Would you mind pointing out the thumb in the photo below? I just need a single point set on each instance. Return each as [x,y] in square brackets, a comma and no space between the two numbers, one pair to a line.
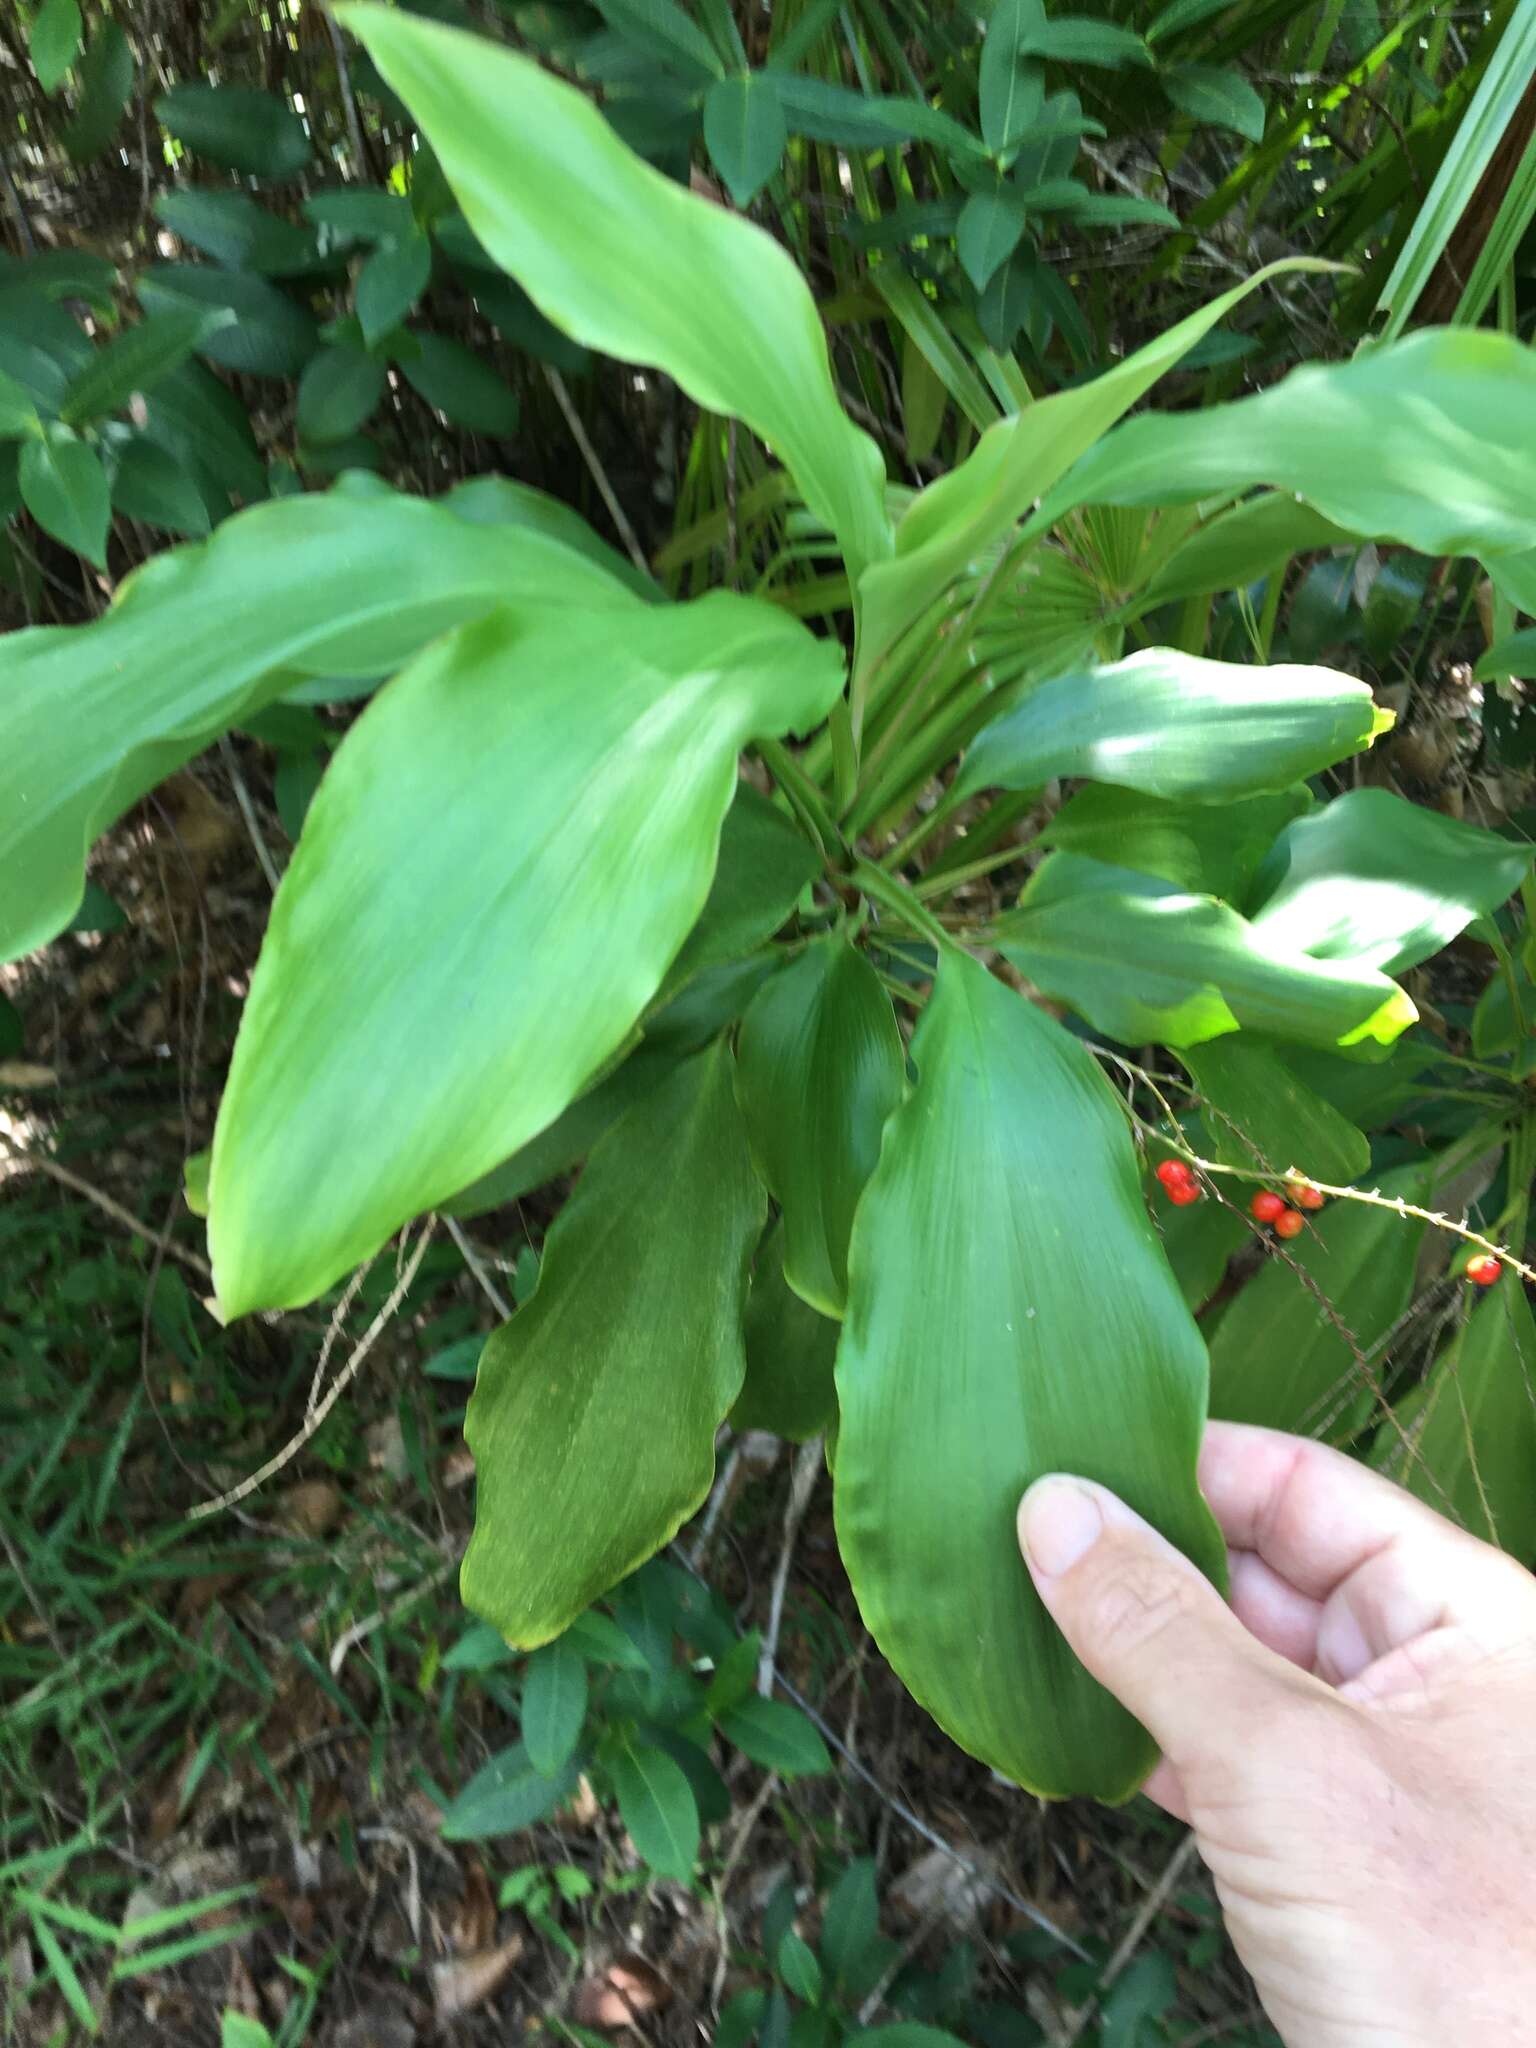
[1148,1626]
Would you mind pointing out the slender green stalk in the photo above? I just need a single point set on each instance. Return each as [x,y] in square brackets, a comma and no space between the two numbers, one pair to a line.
[804,798]
[896,897]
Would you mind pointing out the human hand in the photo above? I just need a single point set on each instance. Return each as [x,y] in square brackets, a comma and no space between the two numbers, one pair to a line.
[1353,1740]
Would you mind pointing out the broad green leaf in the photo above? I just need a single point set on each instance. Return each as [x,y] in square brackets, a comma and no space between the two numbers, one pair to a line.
[1261,1115]
[628,262]
[93,716]
[594,1416]
[1182,14]
[136,359]
[820,1067]
[1238,546]
[657,1805]
[1514,655]
[1176,725]
[600,836]
[1375,880]
[777,1736]
[990,229]
[955,520]
[1279,1353]
[790,1350]
[1142,960]
[1421,442]
[63,274]
[149,484]
[461,385]
[505,1796]
[105,83]
[850,1925]
[554,1706]
[238,126]
[54,42]
[744,132]
[339,390]
[1011,92]
[269,334]
[1471,1438]
[497,501]
[982,1348]
[1209,849]
[234,230]
[64,487]
[1217,97]
[390,283]
[1076,39]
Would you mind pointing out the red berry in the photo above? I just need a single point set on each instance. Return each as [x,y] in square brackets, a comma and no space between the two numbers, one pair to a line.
[1182,1193]
[1173,1173]
[1290,1223]
[1306,1196]
[1484,1269]
[1266,1205]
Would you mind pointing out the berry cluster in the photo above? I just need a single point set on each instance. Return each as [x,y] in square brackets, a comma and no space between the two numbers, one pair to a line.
[1178,1183]
[1285,1215]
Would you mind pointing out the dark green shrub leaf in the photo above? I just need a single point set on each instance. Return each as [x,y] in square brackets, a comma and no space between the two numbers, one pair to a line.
[1011,92]
[661,28]
[631,264]
[338,391]
[269,335]
[1035,1353]
[64,487]
[1219,98]
[1261,1115]
[798,1967]
[1175,725]
[657,1805]
[1120,210]
[356,214]
[824,112]
[105,82]
[149,484]
[379,856]
[137,358]
[93,716]
[233,229]
[1209,849]
[777,1736]
[594,1415]
[1141,960]
[54,42]
[790,1350]
[991,227]
[18,410]
[238,126]
[506,1796]
[458,383]
[1375,879]
[202,423]
[1279,1358]
[744,132]
[390,283]
[820,1068]
[765,863]
[1077,39]
[850,1928]
[1240,545]
[554,1705]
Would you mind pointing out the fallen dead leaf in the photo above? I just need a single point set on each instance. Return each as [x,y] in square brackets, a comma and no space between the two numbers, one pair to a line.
[472,1926]
[936,1887]
[312,1508]
[626,1991]
[27,1074]
[467,1981]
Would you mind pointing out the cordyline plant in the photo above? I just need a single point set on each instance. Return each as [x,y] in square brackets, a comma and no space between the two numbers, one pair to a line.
[537,915]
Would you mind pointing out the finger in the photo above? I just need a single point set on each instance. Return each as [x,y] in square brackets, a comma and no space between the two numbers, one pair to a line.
[1382,1568]
[1147,1624]
[1284,1620]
